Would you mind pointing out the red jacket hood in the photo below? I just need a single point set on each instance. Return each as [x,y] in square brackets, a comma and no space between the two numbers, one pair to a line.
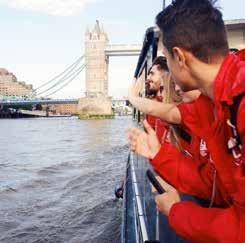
[230,80]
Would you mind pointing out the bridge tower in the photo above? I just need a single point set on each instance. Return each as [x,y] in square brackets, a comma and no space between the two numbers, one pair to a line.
[96,61]
[96,103]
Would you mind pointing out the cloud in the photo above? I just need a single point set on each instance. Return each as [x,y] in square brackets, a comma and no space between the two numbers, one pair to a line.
[51,7]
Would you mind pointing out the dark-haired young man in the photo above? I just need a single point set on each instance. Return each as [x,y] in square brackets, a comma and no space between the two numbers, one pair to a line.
[196,48]
[154,91]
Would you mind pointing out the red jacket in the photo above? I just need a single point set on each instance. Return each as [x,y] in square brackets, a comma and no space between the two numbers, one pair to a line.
[186,174]
[193,174]
[218,224]
[157,124]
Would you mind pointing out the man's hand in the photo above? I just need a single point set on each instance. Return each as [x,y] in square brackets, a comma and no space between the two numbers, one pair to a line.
[135,88]
[144,143]
[166,200]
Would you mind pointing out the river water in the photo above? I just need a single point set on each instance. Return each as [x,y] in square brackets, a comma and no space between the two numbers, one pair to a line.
[57,179]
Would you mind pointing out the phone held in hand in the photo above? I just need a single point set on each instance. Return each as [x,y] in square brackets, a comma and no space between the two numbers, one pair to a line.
[154,182]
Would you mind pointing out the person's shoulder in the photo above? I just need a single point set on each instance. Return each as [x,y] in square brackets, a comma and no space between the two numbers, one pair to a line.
[203,99]
[241,54]
[201,102]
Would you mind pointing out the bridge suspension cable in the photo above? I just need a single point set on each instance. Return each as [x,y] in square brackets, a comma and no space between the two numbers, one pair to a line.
[62,80]
[68,69]
[68,82]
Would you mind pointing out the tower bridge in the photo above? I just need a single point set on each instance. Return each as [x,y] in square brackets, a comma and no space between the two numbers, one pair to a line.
[97,53]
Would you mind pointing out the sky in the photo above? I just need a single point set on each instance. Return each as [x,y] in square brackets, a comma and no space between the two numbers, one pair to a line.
[40,38]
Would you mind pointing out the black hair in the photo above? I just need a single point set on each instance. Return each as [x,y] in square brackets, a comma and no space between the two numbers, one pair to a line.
[196,26]
[161,63]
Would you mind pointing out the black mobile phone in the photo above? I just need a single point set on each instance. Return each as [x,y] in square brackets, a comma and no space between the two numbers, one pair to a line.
[154,182]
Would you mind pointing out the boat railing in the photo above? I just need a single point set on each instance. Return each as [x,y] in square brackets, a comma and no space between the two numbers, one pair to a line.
[140,217]
[144,204]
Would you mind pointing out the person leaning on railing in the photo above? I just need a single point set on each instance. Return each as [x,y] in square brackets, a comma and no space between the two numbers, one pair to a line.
[157,75]
[199,58]
[180,162]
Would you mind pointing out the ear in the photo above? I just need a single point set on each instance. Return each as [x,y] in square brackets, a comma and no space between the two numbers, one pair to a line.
[179,56]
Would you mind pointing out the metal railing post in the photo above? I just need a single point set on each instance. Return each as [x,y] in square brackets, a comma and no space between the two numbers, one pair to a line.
[163,4]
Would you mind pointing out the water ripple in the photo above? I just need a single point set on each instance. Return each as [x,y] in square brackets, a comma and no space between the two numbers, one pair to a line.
[57,180]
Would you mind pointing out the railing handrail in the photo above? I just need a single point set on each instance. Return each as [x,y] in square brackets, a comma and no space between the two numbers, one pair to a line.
[140,213]
[150,39]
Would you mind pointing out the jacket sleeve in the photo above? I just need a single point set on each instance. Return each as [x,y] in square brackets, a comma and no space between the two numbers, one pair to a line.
[223,225]
[202,225]
[182,172]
